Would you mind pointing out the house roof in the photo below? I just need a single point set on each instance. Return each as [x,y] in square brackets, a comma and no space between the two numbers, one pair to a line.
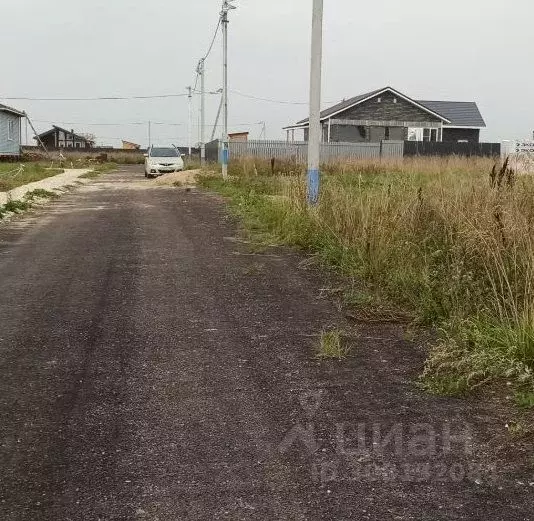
[55,127]
[5,108]
[452,113]
[460,113]
[343,105]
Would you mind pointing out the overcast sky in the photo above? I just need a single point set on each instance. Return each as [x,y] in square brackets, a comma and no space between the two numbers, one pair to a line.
[462,50]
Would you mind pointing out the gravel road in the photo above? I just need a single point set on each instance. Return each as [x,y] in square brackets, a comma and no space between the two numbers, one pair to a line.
[152,368]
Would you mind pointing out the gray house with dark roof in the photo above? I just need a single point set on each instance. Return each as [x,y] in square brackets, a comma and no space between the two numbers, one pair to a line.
[387,114]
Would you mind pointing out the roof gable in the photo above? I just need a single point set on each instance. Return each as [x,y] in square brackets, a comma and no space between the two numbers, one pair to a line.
[11,110]
[348,104]
[56,128]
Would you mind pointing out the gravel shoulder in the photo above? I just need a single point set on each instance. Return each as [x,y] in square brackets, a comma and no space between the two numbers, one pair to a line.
[153,368]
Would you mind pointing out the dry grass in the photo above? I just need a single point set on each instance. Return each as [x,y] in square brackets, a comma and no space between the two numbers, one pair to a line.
[81,159]
[436,236]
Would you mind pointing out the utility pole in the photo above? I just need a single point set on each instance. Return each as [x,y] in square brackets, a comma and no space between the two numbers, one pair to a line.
[227,5]
[149,134]
[314,138]
[190,119]
[217,119]
[201,72]
[37,135]
[263,133]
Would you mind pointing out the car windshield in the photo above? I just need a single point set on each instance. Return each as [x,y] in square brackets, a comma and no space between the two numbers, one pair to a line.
[164,152]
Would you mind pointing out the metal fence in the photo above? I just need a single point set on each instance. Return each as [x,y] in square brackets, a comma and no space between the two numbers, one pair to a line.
[433,148]
[298,150]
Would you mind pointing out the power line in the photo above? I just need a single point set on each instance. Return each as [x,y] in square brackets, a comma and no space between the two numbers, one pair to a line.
[209,51]
[250,96]
[99,98]
[137,123]
[140,123]
[213,40]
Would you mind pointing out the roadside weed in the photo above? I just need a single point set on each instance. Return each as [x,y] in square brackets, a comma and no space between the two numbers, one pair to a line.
[525,399]
[40,193]
[331,345]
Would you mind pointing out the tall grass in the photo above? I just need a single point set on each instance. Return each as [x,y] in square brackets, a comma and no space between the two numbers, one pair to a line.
[436,236]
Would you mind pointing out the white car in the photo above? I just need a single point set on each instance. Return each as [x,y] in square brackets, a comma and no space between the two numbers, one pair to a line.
[163,160]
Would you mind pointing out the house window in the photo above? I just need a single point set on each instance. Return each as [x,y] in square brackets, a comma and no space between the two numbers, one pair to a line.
[386,134]
[379,100]
[394,100]
[11,130]
[430,134]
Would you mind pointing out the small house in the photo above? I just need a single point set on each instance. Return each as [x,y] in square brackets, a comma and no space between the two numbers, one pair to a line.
[58,137]
[241,137]
[10,130]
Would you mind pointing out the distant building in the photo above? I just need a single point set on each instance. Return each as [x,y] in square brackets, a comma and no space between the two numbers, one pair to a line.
[128,145]
[387,114]
[239,136]
[10,130]
[58,137]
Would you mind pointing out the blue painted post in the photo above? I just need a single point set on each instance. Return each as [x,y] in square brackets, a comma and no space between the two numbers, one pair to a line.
[314,138]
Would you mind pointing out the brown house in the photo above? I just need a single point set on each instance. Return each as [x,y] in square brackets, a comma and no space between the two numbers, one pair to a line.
[58,137]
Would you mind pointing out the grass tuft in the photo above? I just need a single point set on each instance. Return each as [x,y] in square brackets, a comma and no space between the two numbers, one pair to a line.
[331,346]
[525,399]
[40,193]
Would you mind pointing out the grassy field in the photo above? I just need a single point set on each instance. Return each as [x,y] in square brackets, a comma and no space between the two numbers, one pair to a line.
[18,174]
[73,159]
[440,240]
[13,175]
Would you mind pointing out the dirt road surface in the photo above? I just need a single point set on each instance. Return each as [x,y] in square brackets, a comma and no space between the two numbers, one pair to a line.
[152,368]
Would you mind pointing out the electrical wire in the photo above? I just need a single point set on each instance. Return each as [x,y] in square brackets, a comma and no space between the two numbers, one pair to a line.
[250,96]
[139,123]
[136,123]
[209,51]
[99,98]
[213,39]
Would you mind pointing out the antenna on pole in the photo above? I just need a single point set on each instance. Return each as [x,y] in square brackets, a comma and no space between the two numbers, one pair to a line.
[227,6]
